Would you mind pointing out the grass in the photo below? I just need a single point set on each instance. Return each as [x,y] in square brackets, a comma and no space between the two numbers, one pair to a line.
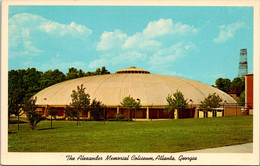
[140,136]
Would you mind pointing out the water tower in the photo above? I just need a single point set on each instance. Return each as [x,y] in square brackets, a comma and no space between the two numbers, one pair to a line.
[243,69]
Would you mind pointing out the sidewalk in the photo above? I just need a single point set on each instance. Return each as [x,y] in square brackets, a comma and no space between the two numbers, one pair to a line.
[243,148]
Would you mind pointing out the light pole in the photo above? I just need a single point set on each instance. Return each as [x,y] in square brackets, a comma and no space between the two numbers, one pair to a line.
[224,105]
[191,107]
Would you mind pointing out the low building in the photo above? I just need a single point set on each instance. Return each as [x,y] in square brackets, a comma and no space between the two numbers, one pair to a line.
[150,89]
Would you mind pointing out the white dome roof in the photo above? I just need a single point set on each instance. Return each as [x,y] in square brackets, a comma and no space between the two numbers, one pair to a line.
[110,89]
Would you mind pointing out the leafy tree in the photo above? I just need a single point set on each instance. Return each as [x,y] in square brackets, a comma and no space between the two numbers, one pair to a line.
[176,102]
[241,100]
[16,92]
[130,104]
[73,73]
[85,103]
[96,109]
[104,70]
[81,73]
[30,108]
[98,71]
[50,77]
[22,85]
[31,83]
[88,73]
[70,113]
[223,84]
[52,112]
[34,118]
[14,102]
[210,102]
[80,100]
[238,84]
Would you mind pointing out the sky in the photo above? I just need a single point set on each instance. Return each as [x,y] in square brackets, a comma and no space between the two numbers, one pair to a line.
[198,43]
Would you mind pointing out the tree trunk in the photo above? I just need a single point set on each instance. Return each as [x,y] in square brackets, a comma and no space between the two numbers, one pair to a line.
[51,122]
[129,115]
[18,121]
[9,118]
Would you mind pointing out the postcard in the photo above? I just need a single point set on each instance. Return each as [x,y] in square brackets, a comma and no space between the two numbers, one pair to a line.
[130,82]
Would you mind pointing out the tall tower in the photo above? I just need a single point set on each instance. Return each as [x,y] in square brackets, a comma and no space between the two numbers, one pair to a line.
[242,70]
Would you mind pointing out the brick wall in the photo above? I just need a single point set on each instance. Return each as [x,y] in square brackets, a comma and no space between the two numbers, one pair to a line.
[232,111]
[249,91]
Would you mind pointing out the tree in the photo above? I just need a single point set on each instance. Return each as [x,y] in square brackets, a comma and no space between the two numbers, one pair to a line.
[130,104]
[31,83]
[238,84]
[211,102]
[97,72]
[73,73]
[20,87]
[79,100]
[85,103]
[96,110]
[81,73]
[223,84]
[89,73]
[104,70]
[241,100]
[15,99]
[52,112]
[50,77]
[176,102]
[70,113]
[30,108]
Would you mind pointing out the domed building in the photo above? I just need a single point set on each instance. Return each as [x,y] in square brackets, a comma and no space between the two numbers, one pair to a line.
[150,89]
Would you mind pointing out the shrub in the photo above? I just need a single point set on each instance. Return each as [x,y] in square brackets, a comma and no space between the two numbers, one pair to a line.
[34,118]
[119,117]
[96,110]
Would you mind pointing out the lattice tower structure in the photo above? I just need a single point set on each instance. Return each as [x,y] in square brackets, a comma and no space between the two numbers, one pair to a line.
[243,68]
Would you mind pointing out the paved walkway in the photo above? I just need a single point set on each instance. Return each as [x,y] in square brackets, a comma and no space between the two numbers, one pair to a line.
[243,148]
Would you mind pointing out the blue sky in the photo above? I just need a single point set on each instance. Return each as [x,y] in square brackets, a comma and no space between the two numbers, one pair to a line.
[199,43]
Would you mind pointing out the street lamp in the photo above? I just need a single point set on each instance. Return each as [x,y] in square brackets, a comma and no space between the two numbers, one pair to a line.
[191,107]
[223,114]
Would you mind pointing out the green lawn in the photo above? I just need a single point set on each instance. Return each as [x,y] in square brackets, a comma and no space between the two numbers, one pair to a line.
[146,136]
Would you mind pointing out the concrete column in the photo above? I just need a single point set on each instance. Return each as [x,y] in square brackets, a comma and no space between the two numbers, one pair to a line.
[117,110]
[88,114]
[210,114]
[147,113]
[175,114]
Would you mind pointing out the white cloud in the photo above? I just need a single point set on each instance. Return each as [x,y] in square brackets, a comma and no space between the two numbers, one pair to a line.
[164,27]
[110,40]
[73,29]
[169,55]
[228,31]
[160,43]
[138,41]
[147,39]
[27,33]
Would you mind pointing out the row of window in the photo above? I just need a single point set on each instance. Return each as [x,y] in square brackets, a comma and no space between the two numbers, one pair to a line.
[143,72]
